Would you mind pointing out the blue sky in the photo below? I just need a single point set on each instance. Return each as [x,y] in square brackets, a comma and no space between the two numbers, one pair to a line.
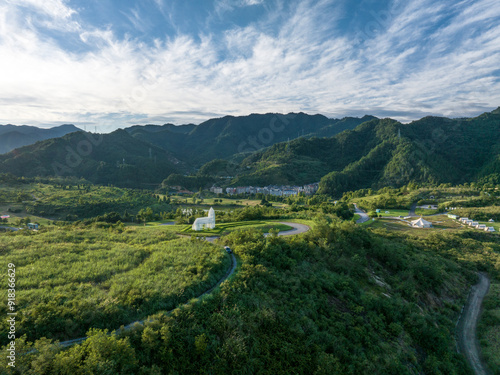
[111,63]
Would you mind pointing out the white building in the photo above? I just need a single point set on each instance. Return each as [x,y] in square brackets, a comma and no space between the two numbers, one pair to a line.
[421,223]
[216,190]
[490,229]
[205,222]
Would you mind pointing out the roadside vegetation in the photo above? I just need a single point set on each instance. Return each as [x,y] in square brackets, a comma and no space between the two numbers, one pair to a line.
[337,300]
[489,328]
[381,297]
[73,278]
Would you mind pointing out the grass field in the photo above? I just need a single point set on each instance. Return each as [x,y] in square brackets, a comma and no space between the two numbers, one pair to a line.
[226,202]
[220,228]
[70,279]
[226,228]
[425,211]
[393,212]
[14,217]
[440,222]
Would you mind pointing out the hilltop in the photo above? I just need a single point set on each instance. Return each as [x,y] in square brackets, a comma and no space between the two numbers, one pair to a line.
[12,136]
[152,153]
[294,149]
[384,152]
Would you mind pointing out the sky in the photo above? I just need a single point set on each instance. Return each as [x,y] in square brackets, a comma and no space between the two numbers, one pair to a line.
[114,63]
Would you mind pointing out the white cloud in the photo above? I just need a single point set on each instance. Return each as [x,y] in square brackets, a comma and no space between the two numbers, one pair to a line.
[409,66]
[53,8]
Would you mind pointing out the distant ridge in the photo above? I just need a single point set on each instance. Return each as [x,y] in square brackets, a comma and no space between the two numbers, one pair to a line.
[262,149]
[12,136]
[221,138]
[384,152]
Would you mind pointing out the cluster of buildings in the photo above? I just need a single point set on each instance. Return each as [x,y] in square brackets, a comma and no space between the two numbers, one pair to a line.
[278,191]
[473,224]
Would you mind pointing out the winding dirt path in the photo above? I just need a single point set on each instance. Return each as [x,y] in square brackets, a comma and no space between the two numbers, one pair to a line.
[468,343]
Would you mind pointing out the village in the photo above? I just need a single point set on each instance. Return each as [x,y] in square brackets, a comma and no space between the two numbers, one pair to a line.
[274,190]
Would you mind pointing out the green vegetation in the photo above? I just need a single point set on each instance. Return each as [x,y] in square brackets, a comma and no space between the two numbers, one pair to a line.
[115,158]
[425,211]
[480,213]
[380,298]
[373,155]
[338,300]
[489,328]
[73,199]
[77,277]
[226,228]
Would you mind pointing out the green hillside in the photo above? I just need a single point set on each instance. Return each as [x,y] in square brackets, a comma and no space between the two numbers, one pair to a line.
[115,158]
[276,149]
[384,153]
[223,137]
[338,300]
[12,136]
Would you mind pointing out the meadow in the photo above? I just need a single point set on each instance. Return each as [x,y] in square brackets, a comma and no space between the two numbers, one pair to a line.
[72,278]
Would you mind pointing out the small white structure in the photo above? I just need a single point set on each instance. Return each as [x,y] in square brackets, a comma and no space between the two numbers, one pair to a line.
[474,224]
[490,229]
[481,227]
[205,222]
[491,221]
[421,223]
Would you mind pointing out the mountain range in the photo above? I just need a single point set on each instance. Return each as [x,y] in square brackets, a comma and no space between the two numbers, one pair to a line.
[12,136]
[384,152]
[148,154]
[262,149]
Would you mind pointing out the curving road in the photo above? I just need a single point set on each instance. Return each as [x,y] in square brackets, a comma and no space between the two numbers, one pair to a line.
[412,210]
[297,229]
[467,339]
[364,217]
[10,228]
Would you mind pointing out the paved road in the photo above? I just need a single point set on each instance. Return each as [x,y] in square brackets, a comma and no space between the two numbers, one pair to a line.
[412,210]
[297,229]
[467,340]
[364,217]
[10,228]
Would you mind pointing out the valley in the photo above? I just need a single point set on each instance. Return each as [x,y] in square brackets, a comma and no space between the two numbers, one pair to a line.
[360,288]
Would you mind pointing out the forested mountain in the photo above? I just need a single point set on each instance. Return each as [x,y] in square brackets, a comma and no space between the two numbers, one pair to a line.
[174,148]
[385,153]
[223,137]
[115,158]
[12,136]
[370,153]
